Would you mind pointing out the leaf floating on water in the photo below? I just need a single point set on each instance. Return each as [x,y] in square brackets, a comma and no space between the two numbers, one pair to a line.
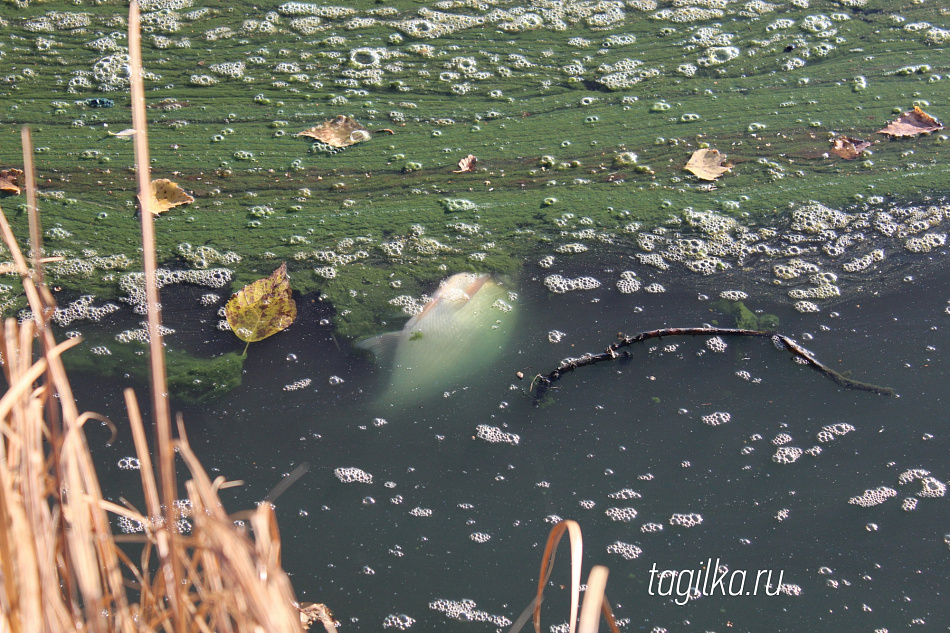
[129,133]
[912,123]
[708,164]
[10,181]
[849,148]
[342,131]
[262,308]
[165,195]
[466,164]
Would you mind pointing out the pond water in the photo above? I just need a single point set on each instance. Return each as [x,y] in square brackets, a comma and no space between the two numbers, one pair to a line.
[690,454]
[627,434]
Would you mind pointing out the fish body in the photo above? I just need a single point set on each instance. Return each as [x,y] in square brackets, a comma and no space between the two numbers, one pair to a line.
[457,334]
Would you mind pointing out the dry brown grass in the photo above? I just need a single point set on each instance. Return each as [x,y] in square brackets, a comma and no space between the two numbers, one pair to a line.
[61,567]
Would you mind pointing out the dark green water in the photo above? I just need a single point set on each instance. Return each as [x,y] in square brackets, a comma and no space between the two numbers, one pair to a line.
[602,430]
[870,255]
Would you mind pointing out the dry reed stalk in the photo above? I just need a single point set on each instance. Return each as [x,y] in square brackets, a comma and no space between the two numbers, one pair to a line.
[60,565]
[234,583]
[36,230]
[168,545]
[595,602]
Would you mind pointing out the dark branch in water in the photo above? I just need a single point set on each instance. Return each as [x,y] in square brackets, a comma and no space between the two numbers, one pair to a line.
[541,383]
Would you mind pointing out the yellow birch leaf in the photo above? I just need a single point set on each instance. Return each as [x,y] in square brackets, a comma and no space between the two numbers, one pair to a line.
[262,308]
[166,195]
[708,164]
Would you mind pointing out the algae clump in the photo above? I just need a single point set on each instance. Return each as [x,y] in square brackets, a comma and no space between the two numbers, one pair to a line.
[746,319]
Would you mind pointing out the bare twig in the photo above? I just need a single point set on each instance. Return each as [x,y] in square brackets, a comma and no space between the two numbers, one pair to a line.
[541,383]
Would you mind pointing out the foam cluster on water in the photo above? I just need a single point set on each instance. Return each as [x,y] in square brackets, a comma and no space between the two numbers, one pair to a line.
[400,621]
[686,520]
[141,334]
[831,431]
[561,285]
[350,474]
[466,611]
[624,494]
[628,282]
[627,550]
[809,257]
[930,486]
[205,256]
[873,497]
[80,309]
[717,418]
[133,284]
[494,435]
[716,344]
[781,439]
[129,463]
[298,384]
[787,454]
[624,515]
[87,265]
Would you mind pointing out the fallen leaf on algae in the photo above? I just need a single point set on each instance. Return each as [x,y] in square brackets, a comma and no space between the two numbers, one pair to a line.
[912,123]
[262,308]
[466,164]
[10,180]
[708,164]
[849,148]
[165,195]
[342,131]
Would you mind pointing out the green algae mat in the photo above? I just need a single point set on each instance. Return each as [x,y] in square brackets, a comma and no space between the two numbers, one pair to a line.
[581,116]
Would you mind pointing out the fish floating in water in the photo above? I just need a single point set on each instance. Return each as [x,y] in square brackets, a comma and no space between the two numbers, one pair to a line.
[458,334]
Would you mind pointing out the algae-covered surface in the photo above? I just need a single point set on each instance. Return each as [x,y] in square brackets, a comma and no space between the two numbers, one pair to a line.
[582,116]
[589,109]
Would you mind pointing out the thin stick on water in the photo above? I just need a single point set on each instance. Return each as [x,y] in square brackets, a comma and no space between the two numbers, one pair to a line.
[541,383]
[167,540]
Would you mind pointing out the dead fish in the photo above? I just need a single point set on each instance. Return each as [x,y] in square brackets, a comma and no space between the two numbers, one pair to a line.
[458,333]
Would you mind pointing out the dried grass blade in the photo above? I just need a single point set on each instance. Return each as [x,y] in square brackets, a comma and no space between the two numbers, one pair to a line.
[609,616]
[89,537]
[149,487]
[593,599]
[259,588]
[41,306]
[547,565]
[14,394]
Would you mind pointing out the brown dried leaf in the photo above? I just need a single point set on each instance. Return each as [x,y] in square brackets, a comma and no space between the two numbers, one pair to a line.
[165,195]
[466,164]
[849,148]
[912,123]
[708,164]
[10,180]
[342,131]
